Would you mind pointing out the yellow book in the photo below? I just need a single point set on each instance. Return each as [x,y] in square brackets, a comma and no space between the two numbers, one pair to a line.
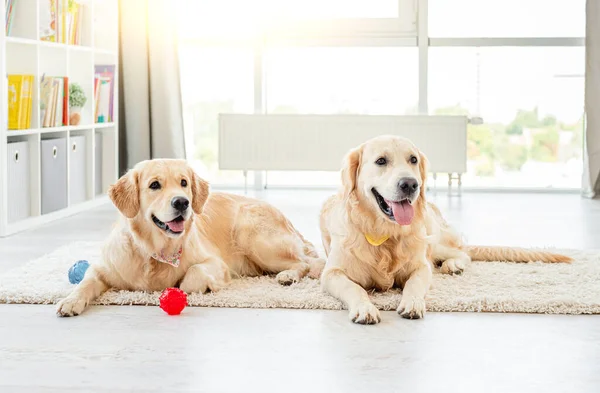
[15,85]
[64,27]
[30,101]
[26,90]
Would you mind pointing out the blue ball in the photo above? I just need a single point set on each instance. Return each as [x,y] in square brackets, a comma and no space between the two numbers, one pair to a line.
[77,271]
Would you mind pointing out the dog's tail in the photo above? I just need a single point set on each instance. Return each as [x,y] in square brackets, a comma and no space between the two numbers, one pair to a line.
[514,254]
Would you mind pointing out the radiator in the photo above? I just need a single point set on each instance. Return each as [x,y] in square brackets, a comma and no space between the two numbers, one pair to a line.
[319,142]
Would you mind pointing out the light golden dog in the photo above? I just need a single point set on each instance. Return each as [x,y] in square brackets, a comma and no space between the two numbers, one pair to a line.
[172,232]
[380,232]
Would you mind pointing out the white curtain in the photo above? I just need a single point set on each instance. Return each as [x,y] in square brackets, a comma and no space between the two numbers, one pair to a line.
[150,110]
[591,175]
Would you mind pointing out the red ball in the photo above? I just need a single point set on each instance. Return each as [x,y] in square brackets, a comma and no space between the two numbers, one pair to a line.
[173,301]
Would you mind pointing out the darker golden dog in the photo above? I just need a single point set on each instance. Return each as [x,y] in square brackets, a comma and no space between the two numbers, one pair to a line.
[173,232]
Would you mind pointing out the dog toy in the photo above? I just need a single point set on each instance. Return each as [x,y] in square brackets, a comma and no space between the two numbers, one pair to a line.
[173,301]
[77,271]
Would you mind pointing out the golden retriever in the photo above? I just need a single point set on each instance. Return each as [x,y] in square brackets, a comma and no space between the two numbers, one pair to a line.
[379,232]
[172,232]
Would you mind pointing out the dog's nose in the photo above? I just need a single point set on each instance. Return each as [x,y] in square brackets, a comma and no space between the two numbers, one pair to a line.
[408,186]
[180,203]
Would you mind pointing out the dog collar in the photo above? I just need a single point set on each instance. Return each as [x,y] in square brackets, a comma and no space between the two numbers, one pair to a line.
[172,259]
[376,241]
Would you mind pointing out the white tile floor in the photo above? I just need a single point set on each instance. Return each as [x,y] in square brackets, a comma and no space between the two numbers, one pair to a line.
[119,349]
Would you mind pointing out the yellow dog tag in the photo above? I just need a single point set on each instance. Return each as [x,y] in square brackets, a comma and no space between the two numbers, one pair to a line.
[376,241]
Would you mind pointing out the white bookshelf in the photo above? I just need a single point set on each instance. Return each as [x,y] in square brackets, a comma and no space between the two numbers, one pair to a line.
[23,53]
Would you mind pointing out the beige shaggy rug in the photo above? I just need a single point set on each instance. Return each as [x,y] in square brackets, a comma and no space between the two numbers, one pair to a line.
[485,286]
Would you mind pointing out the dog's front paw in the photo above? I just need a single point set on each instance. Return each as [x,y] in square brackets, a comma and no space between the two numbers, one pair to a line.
[288,277]
[194,283]
[365,314]
[411,308]
[453,266]
[197,280]
[70,307]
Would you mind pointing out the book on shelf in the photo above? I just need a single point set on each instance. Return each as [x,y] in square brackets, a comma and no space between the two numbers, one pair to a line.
[104,90]
[20,94]
[47,21]
[54,101]
[28,96]
[74,23]
[65,103]
[60,21]
[9,7]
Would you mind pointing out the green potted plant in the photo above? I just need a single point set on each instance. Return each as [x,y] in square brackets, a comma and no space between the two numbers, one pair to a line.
[77,100]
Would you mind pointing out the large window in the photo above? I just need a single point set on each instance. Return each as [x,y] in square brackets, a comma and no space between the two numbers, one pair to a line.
[531,103]
[515,66]
[214,80]
[342,80]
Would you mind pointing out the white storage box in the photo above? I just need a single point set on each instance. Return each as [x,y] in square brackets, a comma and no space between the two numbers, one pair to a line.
[54,174]
[78,170]
[98,164]
[19,193]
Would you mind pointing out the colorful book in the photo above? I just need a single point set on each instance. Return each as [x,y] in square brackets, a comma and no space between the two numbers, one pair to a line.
[9,16]
[96,98]
[74,22]
[71,22]
[58,18]
[19,101]
[64,11]
[50,108]
[58,120]
[60,21]
[65,103]
[48,22]
[103,106]
[45,94]
[106,73]
[79,21]
[54,101]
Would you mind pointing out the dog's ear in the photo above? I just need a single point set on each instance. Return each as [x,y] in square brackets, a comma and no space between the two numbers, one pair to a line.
[125,194]
[423,168]
[350,169]
[199,193]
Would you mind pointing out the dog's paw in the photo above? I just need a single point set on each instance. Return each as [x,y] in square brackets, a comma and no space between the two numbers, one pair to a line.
[411,308]
[70,307]
[288,277]
[453,266]
[195,283]
[197,280]
[365,314]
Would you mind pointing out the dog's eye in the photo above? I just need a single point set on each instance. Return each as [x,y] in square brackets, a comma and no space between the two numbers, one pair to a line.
[413,160]
[155,185]
[183,183]
[381,161]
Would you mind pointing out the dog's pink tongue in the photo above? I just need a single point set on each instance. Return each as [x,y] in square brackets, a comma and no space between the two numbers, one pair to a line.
[403,212]
[176,226]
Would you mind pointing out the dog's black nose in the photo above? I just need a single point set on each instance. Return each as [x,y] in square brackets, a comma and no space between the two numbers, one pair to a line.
[180,203]
[408,185]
